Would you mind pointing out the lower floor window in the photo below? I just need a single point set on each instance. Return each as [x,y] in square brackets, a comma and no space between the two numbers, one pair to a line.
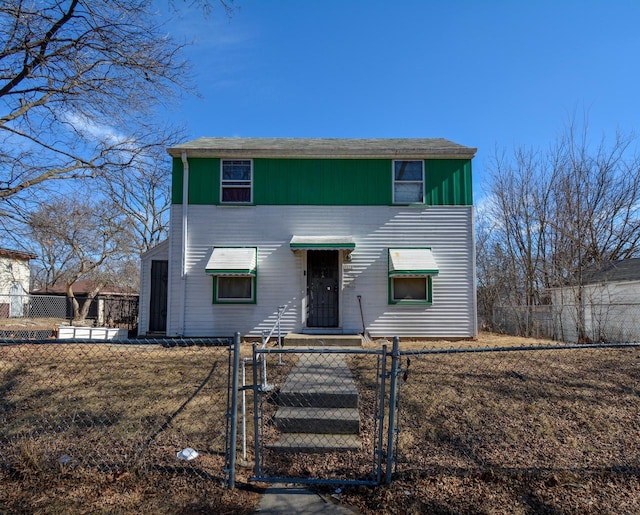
[234,289]
[410,289]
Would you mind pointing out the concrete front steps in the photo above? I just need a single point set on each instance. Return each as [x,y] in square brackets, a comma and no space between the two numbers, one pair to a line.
[318,407]
[314,443]
[318,420]
[322,340]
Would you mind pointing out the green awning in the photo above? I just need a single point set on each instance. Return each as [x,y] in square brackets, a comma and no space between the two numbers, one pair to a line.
[238,261]
[322,243]
[412,263]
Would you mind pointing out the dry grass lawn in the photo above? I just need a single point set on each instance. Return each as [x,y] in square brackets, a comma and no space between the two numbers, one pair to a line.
[95,429]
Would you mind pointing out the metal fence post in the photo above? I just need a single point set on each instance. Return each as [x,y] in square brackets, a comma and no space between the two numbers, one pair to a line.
[234,411]
[256,411]
[395,359]
[382,364]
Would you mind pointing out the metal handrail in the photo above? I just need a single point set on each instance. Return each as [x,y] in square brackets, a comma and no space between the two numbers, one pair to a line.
[266,336]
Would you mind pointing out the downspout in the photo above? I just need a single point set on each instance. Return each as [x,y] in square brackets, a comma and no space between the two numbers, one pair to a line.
[183,261]
[474,274]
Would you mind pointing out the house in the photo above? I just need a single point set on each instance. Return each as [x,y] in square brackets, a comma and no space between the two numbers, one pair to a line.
[337,231]
[605,308]
[15,275]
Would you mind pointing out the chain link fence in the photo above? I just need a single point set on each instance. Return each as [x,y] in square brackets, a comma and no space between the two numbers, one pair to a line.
[595,322]
[39,316]
[96,408]
[475,428]
[516,429]
[320,416]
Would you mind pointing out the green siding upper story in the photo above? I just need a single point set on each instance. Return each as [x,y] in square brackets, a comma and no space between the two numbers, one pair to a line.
[344,182]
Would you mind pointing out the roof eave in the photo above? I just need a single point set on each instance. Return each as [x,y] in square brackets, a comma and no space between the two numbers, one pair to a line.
[324,148]
[305,154]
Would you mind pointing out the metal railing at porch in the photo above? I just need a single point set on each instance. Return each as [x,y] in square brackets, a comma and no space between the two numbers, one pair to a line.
[267,334]
[314,390]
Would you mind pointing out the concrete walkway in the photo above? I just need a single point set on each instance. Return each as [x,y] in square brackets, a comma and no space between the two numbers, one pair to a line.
[280,499]
[318,407]
[318,400]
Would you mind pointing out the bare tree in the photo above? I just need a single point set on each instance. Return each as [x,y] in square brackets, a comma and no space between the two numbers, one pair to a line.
[559,212]
[596,210]
[520,190]
[79,83]
[79,240]
[492,272]
[206,6]
[141,194]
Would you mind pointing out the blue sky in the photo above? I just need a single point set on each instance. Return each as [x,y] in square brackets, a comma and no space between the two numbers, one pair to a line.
[480,73]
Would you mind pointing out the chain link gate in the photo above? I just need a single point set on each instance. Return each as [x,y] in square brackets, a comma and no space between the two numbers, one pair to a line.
[320,416]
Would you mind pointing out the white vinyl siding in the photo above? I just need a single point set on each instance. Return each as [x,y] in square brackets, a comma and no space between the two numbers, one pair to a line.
[281,281]
[609,310]
[14,271]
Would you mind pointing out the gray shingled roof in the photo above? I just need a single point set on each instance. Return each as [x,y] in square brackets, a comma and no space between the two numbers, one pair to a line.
[406,148]
[613,271]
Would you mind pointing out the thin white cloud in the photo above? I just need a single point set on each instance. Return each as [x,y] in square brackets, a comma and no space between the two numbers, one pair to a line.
[91,129]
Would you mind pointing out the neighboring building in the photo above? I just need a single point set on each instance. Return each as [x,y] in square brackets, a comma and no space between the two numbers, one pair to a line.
[14,282]
[316,225]
[607,305]
[112,306]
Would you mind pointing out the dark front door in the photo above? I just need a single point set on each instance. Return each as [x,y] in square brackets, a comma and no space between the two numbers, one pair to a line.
[322,288]
[158,304]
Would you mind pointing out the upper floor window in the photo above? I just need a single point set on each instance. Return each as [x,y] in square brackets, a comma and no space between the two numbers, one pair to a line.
[237,176]
[408,182]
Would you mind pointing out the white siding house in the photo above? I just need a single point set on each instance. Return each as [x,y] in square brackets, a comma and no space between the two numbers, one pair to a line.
[14,282]
[607,305]
[319,227]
